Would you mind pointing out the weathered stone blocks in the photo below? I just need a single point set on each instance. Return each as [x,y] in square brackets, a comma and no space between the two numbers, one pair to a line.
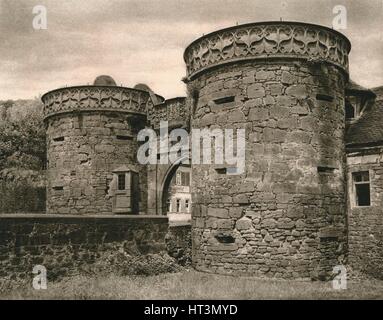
[64,244]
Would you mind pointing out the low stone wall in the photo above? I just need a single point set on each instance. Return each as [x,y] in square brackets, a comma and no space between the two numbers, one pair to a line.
[179,243]
[65,243]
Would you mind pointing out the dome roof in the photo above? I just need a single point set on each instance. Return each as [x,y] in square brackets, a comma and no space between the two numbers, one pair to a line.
[143,87]
[104,81]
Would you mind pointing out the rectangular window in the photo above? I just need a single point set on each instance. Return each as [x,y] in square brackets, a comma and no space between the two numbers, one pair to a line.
[121,182]
[361,181]
[187,205]
[185,179]
[178,203]
[178,179]
[58,139]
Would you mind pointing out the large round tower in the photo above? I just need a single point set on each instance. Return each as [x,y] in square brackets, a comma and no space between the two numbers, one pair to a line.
[92,146]
[283,82]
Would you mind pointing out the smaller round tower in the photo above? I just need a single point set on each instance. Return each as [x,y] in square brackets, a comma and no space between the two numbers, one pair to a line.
[92,146]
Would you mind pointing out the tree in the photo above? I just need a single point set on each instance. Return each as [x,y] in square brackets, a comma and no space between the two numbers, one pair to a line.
[5,107]
[22,141]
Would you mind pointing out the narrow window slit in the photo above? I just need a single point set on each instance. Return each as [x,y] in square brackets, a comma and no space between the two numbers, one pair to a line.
[58,139]
[225,238]
[120,137]
[324,97]
[58,188]
[221,170]
[224,100]
[323,169]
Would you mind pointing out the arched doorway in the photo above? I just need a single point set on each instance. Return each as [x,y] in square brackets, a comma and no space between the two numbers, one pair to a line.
[175,195]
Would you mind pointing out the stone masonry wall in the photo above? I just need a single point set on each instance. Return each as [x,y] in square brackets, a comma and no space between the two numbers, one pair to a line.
[365,224]
[65,243]
[285,216]
[83,150]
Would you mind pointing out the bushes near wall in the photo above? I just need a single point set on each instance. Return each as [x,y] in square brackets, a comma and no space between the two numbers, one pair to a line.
[22,191]
[179,243]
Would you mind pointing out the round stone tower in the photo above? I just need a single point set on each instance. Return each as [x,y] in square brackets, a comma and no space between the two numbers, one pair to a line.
[92,147]
[284,83]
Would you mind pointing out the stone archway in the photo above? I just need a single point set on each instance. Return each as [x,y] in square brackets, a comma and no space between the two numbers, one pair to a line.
[159,178]
[164,187]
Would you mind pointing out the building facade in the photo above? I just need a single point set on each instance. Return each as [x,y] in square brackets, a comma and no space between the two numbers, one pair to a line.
[310,197]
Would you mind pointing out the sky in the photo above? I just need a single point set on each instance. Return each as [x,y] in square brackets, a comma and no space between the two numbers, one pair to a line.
[142,41]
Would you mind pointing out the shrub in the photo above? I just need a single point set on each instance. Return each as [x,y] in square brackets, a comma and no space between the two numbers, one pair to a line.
[124,264]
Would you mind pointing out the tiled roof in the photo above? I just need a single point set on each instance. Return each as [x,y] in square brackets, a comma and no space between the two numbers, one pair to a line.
[354,88]
[368,129]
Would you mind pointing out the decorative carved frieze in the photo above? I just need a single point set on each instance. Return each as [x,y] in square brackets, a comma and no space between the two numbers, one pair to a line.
[95,98]
[267,40]
[172,110]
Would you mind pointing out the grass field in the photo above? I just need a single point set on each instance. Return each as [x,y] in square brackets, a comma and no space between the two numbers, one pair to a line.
[192,285]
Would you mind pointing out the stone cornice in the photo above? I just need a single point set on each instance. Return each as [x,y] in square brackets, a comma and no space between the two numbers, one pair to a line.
[95,98]
[267,40]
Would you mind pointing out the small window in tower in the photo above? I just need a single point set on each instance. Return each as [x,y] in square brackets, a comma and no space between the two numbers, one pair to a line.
[121,182]
[178,205]
[58,139]
[361,182]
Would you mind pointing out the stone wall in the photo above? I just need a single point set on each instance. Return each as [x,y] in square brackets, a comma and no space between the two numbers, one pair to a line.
[83,150]
[285,216]
[365,224]
[65,243]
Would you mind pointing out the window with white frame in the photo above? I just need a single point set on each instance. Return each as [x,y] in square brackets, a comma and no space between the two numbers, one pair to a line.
[361,186]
